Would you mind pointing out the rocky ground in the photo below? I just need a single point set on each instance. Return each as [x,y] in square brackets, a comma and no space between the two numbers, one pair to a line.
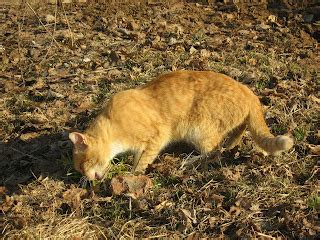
[59,64]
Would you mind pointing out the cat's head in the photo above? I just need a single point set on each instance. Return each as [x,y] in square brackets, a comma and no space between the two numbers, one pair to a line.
[89,157]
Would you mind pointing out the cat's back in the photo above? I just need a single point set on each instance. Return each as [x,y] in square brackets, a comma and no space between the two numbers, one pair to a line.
[187,82]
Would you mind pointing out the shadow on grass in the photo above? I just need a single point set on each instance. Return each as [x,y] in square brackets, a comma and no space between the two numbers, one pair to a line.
[24,161]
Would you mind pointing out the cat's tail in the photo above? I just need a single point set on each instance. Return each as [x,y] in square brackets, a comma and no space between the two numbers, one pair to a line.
[261,133]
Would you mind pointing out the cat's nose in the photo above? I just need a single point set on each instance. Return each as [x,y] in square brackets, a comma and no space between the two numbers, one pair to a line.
[98,176]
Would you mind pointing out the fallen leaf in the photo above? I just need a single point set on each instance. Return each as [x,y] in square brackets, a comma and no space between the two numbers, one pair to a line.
[192,50]
[19,222]
[272,18]
[263,26]
[234,210]
[229,16]
[50,18]
[244,32]
[315,149]
[194,236]
[7,204]
[3,190]
[86,60]
[231,175]
[314,99]
[188,216]
[133,186]
[74,196]
[205,53]
[164,204]
[114,73]
[133,25]
[53,94]
[255,207]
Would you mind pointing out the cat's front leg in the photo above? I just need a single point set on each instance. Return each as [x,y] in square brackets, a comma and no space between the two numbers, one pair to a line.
[144,158]
[136,160]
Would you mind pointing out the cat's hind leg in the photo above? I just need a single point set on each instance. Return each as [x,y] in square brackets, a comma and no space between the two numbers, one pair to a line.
[235,136]
[208,152]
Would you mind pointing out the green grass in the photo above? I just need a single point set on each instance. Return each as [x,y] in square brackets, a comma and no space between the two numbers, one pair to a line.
[119,165]
[314,202]
[299,134]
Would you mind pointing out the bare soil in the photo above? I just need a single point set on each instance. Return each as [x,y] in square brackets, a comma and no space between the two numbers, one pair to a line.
[59,64]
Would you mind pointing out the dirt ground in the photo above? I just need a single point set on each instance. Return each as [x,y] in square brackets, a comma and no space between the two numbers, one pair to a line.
[59,64]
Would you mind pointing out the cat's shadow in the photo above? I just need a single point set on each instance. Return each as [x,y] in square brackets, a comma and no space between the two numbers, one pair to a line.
[47,155]
[23,161]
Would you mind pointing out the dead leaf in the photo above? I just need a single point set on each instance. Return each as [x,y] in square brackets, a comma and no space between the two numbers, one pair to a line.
[252,61]
[205,53]
[86,60]
[234,210]
[263,26]
[50,18]
[272,18]
[192,50]
[39,84]
[19,222]
[212,199]
[315,149]
[189,216]
[164,204]
[234,175]
[229,16]
[244,32]
[133,25]
[28,136]
[15,56]
[3,190]
[314,99]
[53,94]
[74,196]
[194,236]
[7,204]
[114,73]
[133,186]
[213,221]
[255,207]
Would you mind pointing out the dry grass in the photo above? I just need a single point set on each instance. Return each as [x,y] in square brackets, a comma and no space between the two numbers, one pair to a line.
[56,74]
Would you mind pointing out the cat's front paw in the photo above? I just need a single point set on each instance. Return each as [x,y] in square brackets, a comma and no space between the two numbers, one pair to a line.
[138,171]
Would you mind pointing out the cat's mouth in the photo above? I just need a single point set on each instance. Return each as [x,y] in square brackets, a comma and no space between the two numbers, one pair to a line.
[99,176]
[96,173]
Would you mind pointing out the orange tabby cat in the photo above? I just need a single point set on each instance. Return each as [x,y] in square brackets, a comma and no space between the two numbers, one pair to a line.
[202,108]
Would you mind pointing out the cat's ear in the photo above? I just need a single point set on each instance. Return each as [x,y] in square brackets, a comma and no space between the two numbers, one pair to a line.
[79,140]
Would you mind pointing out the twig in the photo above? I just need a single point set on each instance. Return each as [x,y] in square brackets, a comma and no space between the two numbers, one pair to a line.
[130,208]
[43,24]
[54,30]
[265,235]
[26,154]
[69,28]
[205,186]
